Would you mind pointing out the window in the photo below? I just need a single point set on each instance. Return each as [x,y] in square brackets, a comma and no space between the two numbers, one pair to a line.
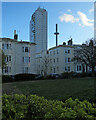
[26,59]
[69,60]
[57,68]
[68,51]
[10,45]
[54,60]
[78,67]
[22,49]
[3,46]
[6,46]
[65,69]
[25,49]
[26,69]
[65,51]
[8,58]
[68,68]
[54,70]
[50,60]
[51,69]
[7,69]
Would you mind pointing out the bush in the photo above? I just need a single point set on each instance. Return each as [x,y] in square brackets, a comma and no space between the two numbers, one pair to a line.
[6,78]
[17,77]
[21,107]
[67,75]
[24,77]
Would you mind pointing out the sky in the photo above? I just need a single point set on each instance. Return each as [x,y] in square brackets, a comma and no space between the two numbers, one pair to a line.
[75,19]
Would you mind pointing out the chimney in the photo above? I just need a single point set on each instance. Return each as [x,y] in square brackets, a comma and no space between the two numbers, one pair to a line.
[64,43]
[70,42]
[15,35]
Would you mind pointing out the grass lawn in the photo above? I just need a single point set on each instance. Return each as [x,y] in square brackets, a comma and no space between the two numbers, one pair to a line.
[82,88]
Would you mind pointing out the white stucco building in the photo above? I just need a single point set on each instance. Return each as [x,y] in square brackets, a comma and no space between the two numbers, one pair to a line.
[58,60]
[20,56]
[38,29]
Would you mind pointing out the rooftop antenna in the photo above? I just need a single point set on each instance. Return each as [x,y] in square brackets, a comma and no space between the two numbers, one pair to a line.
[56,33]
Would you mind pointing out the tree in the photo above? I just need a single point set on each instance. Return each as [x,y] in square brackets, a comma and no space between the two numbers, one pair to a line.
[45,64]
[86,54]
[2,59]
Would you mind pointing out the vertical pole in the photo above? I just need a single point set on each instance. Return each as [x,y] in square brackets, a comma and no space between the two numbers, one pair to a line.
[56,33]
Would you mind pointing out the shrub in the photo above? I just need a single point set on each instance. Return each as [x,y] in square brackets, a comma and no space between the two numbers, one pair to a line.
[21,107]
[24,77]
[17,77]
[6,78]
[67,75]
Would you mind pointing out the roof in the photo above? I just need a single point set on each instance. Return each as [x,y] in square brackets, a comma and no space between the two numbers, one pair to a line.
[61,46]
[13,40]
[8,39]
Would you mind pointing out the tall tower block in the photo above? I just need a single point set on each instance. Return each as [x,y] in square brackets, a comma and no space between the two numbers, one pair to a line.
[38,29]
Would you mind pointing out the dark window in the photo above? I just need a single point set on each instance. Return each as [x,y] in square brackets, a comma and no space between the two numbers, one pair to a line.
[29,59]
[9,58]
[23,59]
[68,68]
[79,67]
[68,59]
[54,60]
[3,46]
[7,46]
[54,70]
[23,49]
[6,69]
[26,49]
[68,51]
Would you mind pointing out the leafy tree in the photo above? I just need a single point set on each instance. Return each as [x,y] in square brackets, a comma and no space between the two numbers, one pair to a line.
[86,54]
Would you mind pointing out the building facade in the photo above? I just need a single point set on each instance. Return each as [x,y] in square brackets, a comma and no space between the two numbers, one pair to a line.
[59,60]
[38,29]
[20,56]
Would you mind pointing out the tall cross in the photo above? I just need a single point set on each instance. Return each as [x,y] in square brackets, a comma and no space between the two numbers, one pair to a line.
[56,33]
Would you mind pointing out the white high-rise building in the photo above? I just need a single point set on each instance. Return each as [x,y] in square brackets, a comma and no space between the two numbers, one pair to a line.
[38,29]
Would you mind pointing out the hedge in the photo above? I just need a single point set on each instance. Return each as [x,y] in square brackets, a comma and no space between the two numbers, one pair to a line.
[21,107]
[17,78]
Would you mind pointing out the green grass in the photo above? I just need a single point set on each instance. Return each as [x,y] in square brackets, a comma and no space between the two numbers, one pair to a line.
[59,89]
